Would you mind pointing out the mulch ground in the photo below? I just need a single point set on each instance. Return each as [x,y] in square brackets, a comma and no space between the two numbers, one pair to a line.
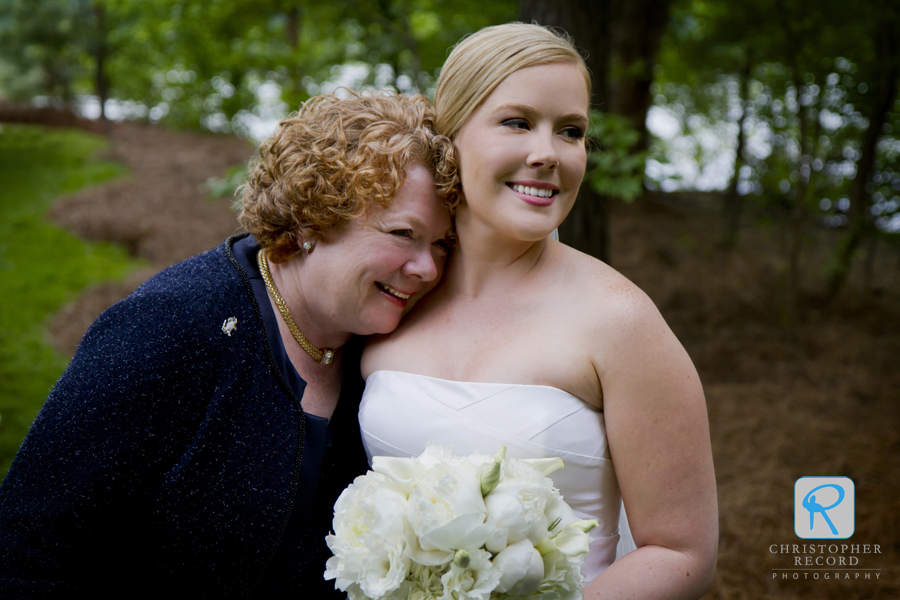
[815,399]
[162,212]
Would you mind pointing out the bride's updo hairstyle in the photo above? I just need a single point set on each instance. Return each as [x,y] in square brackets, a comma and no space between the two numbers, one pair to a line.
[481,61]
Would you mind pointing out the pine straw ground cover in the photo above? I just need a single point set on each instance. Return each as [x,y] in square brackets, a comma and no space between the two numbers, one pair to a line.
[817,400]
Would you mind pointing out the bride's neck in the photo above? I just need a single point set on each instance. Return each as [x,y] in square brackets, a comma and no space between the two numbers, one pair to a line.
[485,259]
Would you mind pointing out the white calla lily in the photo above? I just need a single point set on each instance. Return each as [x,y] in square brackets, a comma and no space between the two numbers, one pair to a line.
[402,471]
[544,466]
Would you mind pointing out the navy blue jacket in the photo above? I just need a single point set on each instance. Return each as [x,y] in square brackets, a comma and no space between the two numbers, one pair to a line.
[165,461]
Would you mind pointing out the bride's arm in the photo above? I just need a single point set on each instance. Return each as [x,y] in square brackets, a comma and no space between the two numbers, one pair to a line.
[658,434]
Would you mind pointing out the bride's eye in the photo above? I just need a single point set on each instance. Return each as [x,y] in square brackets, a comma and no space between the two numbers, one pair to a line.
[574,133]
[404,233]
[516,123]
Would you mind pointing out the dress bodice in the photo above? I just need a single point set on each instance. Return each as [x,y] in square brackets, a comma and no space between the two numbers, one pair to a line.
[401,413]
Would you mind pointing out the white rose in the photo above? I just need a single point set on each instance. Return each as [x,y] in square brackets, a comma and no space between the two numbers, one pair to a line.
[369,538]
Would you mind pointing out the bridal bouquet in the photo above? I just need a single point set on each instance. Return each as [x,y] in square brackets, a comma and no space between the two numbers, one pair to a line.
[443,527]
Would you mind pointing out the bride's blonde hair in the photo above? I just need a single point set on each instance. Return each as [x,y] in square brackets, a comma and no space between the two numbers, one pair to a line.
[481,61]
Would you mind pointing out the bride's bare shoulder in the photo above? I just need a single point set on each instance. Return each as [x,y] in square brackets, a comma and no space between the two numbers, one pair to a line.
[591,280]
[623,332]
[603,299]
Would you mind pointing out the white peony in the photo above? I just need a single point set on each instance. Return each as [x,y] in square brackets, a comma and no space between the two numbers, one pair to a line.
[422,583]
[521,567]
[445,510]
[473,578]
[369,537]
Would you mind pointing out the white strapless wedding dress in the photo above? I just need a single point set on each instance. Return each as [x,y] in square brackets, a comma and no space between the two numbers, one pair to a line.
[401,413]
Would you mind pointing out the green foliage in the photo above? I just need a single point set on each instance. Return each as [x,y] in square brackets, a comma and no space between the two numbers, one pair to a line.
[811,78]
[42,266]
[807,66]
[41,41]
[198,64]
[227,186]
[615,168]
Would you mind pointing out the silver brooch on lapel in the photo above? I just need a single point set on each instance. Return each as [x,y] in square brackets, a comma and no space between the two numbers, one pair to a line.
[229,326]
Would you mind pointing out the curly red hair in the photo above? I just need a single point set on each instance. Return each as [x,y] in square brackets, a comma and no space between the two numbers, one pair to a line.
[327,164]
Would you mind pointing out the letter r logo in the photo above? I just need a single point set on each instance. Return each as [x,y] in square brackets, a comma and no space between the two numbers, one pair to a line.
[824,508]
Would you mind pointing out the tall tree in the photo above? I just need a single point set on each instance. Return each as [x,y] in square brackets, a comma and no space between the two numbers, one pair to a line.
[621,39]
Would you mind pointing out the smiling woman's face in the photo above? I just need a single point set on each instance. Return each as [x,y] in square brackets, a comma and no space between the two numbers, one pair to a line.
[375,268]
[522,155]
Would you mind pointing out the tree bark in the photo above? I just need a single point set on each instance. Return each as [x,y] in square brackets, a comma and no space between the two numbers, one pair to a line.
[621,39]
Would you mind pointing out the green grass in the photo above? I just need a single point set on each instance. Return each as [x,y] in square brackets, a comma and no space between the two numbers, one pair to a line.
[41,266]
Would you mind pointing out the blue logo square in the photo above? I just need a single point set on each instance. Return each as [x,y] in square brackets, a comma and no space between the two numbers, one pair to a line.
[824,508]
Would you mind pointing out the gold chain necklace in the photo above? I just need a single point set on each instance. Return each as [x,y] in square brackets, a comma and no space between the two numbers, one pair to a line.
[324,356]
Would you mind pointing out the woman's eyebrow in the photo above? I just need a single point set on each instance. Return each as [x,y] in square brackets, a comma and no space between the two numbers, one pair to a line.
[411,221]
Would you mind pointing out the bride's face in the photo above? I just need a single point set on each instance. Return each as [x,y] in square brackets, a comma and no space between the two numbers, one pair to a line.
[522,154]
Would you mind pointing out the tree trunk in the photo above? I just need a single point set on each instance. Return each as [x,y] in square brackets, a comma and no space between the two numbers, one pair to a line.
[415,55]
[621,39]
[636,32]
[869,264]
[293,27]
[733,202]
[885,94]
[807,116]
[100,56]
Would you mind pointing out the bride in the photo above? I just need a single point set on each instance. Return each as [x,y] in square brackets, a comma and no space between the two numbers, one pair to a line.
[530,343]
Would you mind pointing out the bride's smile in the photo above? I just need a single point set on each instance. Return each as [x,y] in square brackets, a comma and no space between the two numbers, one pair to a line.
[537,193]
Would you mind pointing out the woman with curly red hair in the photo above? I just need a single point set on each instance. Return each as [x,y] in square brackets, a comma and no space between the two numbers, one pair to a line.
[197,442]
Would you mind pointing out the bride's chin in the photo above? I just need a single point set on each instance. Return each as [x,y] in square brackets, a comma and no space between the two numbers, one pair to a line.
[519,228]
[526,235]
[533,234]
